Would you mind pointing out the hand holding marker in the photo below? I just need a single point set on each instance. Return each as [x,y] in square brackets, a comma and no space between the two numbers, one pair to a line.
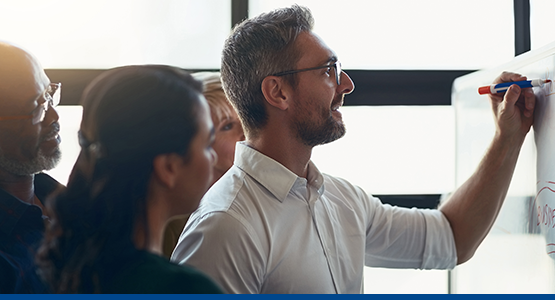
[503,87]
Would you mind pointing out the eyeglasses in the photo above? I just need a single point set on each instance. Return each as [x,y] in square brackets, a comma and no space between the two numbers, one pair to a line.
[51,97]
[336,65]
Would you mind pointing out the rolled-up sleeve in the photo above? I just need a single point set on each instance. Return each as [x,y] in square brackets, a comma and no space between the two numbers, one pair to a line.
[399,237]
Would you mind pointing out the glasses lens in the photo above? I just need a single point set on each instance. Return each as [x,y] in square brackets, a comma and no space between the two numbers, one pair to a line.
[338,72]
[39,113]
[54,92]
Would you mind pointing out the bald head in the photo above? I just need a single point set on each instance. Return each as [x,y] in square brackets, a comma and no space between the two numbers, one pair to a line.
[13,56]
[25,147]
[21,77]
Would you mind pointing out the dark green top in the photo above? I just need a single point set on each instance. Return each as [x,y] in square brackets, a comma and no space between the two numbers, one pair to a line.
[147,273]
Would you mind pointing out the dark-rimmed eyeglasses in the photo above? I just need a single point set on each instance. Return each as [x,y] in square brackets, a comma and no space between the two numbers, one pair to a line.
[51,97]
[336,65]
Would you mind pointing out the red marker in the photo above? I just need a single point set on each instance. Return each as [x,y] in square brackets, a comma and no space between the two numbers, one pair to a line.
[503,87]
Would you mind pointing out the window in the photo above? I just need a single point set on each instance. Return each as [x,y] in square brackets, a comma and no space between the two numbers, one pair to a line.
[70,121]
[100,34]
[541,23]
[394,149]
[405,34]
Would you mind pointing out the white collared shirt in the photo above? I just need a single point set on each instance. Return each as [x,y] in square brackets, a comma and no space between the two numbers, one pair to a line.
[263,229]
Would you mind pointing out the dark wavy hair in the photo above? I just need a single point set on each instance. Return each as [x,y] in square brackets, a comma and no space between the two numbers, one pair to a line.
[131,114]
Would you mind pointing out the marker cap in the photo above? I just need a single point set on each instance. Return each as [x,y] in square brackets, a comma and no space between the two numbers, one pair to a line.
[484,90]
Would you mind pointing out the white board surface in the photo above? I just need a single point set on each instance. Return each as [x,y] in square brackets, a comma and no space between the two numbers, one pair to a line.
[518,256]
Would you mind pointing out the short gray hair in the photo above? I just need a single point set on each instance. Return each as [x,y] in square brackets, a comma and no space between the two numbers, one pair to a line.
[257,48]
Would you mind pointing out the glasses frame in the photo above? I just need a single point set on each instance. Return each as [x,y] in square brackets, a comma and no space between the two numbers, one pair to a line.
[51,96]
[336,65]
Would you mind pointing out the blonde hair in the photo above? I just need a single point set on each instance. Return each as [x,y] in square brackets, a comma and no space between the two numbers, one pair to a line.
[220,107]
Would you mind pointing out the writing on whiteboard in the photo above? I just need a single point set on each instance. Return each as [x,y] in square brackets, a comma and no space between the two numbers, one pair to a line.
[545,213]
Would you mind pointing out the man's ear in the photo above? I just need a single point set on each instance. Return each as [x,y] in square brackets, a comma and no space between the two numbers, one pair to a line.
[276,92]
[166,167]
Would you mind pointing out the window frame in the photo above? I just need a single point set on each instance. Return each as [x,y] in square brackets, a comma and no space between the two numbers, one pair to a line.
[373,87]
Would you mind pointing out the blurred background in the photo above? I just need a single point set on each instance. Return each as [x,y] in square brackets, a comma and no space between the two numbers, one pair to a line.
[402,56]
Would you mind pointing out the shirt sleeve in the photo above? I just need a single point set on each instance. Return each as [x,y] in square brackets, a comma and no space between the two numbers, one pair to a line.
[398,237]
[225,249]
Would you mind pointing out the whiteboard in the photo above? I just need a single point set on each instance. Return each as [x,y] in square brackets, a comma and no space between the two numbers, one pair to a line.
[518,255]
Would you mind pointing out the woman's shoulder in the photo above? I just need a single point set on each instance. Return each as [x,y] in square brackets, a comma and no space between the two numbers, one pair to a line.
[153,274]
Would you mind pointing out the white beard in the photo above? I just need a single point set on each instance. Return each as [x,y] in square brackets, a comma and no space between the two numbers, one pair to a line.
[39,163]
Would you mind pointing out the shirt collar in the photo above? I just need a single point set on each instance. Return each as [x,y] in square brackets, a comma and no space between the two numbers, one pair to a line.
[275,177]
[12,210]
[315,178]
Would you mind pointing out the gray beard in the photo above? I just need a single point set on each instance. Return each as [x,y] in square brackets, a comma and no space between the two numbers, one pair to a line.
[314,135]
[39,163]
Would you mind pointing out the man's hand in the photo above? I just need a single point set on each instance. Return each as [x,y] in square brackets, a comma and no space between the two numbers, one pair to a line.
[514,110]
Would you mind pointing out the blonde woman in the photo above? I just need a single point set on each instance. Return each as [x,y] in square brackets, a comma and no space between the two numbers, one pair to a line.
[228,132]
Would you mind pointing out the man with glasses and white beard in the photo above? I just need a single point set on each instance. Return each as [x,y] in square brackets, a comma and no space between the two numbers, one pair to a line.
[29,144]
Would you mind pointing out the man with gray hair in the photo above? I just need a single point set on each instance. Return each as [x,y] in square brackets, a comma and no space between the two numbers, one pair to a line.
[29,144]
[275,224]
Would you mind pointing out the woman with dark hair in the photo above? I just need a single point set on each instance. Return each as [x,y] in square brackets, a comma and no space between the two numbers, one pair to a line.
[146,156]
